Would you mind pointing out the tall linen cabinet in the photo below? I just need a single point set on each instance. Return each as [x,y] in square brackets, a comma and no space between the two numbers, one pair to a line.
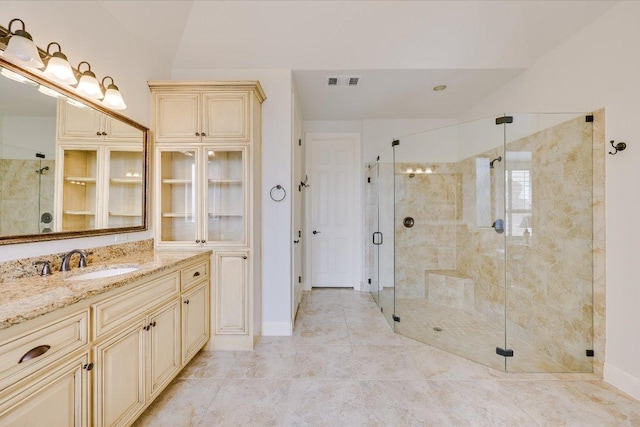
[207,193]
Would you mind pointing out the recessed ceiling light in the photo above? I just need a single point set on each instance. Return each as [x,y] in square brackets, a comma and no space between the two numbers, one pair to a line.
[439,88]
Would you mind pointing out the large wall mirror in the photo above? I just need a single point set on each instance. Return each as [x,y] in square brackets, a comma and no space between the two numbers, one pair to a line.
[68,167]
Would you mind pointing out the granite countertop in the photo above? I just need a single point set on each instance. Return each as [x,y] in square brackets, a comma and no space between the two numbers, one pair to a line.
[30,297]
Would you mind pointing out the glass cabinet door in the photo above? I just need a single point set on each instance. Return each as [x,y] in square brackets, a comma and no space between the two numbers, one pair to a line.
[125,188]
[178,210]
[79,193]
[225,206]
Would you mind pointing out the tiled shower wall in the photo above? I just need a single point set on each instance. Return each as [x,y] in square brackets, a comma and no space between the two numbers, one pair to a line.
[19,195]
[550,274]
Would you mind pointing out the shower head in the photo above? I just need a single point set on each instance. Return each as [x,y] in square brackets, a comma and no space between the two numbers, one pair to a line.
[497,159]
[41,170]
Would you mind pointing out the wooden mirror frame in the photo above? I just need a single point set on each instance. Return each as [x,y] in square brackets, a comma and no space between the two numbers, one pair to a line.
[27,238]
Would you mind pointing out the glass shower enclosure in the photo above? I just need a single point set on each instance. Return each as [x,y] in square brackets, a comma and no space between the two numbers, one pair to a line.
[480,240]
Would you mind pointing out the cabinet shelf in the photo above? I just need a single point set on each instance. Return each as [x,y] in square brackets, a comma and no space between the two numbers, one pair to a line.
[80,179]
[126,181]
[225,181]
[177,215]
[128,214]
[177,181]
[86,213]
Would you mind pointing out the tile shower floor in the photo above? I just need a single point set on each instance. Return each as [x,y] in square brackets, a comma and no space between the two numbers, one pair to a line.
[468,335]
[344,366]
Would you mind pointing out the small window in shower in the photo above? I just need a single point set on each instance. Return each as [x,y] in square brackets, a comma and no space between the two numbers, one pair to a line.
[518,197]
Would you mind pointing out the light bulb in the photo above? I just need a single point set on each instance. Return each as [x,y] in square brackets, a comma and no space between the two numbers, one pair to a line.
[59,70]
[21,48]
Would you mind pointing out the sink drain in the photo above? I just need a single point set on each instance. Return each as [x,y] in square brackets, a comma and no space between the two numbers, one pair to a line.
[437,329]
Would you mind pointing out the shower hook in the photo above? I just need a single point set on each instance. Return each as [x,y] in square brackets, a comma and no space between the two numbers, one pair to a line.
[620,146]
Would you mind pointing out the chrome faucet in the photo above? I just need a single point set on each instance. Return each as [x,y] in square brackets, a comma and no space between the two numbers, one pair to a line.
[64,266]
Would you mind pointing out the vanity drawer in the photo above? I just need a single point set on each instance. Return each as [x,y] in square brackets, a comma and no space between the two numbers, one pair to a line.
[116,311]
[194,275]
[26,353]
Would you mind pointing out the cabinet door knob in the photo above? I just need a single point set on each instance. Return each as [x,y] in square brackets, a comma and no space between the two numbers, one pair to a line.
[98,133]
[204,134]
[197,133]
[88,366]
[196,274]
[244,257]
[153,324]
[198,241]
[204,241]
[186,301]
[104,134]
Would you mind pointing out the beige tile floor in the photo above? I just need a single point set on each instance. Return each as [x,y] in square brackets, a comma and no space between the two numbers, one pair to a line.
[345,367]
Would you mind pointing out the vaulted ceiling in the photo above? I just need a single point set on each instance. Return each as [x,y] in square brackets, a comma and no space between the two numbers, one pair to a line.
[400,48]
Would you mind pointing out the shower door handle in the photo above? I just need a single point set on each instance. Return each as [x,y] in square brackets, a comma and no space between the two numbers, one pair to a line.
[374,238]
[498,225]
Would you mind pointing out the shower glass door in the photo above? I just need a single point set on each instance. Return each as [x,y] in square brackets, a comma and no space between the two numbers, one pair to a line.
[449,239]
[371,200]
[548,179]
[385,236]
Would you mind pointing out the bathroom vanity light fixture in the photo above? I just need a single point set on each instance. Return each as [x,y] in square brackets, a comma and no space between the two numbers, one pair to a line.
[88,84]
[20,47]
[58,68]
[112,98]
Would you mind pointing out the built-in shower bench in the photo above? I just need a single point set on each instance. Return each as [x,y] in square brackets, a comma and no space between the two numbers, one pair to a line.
[450,288]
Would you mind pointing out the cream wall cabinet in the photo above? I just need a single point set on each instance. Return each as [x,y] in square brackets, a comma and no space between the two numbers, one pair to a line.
[142,335]
[202,116]
[100,186]
[87,124]
[207,188]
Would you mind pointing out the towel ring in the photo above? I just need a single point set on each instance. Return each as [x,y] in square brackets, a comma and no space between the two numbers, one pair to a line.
[278,188]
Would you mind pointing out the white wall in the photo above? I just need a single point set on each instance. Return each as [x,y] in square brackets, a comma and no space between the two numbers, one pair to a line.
[599,67]
[36,133]
[377,134]
[276,169]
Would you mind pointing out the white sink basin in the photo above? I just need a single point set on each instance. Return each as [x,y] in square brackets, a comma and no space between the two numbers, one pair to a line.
[100,274]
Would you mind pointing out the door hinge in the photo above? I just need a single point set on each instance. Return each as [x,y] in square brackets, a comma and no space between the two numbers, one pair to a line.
[300,142]
[590,353]
[299,188]
[299,279]
[381,310]
[395,142]
[369,179]
[369,281]
[504,119]
[378,159]
[395,318]
[589,118]
[299,233]
[504,352]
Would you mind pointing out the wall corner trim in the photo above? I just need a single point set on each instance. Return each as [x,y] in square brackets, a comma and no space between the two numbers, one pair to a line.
[277,329]
[622,380]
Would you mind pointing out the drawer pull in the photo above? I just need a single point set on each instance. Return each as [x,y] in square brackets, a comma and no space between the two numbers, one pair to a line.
[35,352]
[196,274]
[88,367]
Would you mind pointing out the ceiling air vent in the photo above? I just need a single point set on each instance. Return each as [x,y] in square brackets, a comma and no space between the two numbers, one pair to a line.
[343,81]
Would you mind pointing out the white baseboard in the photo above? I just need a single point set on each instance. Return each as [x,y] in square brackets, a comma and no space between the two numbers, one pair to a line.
[276,329]
[622,380]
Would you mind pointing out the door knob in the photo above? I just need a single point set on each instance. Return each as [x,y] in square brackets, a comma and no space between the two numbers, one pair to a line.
[316,232]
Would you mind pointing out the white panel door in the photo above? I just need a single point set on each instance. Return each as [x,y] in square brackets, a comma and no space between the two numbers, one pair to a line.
[334,198]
